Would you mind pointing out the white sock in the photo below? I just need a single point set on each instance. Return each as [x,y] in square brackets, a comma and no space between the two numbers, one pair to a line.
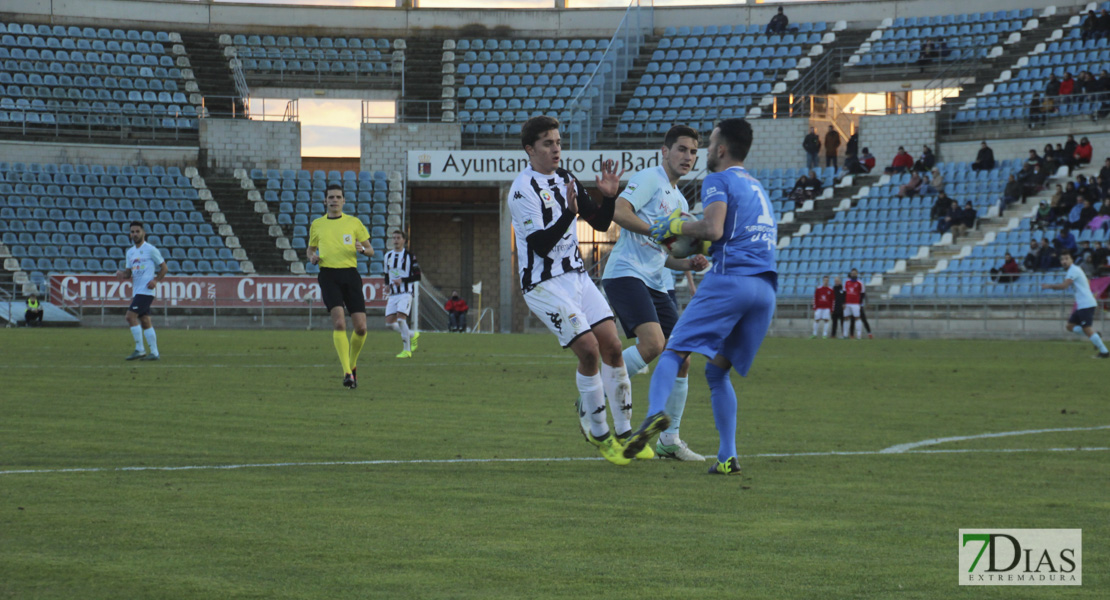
[633,361]
[676,405]
[1096,339]
[593,402]
[826,334]
[406,336]
[815,329]
[619,391]
[137,333]
[151,340]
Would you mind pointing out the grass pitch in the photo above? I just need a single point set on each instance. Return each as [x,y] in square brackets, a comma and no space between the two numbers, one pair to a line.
[802,522]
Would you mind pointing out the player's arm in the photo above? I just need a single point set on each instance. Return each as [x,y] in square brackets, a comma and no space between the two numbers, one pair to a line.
[710,227]
[625,216]
[525,206]
[123,274]
[696,262]
[600,216]
[1057,286]
[690,282]
[162,270]
[414,272]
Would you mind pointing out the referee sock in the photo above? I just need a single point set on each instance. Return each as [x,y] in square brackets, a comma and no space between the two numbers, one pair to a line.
[137,333]
[619,390]
[662,381]
[676,405]
[406,335]
[593,402]
[723,398]
[356,347]
[342,348]
[1096,339]
[633,361]
[151,340]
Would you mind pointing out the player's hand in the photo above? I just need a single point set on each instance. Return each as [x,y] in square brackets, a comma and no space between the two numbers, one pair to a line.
[152,284]
[572,197]
[609,182]
[698,262]
[121,275]
[668,226]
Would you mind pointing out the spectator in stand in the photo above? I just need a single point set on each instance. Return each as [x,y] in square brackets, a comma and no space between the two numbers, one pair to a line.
[1087,213]
[1067,201]
[1065,158]
[911,187]
[778,23]
[970,216]
[984,160]
[926,161]
[1034,183]
[1051,162]
[902,162]
[798,193]
[940,206]
[1065,241]
[456,313]
[814,187]
[1101,260]
[953,221]
[1046,257]
[1104,178]
[1084,87]
[1067,87]
[812,145]
[1036,112]
[852,165]
[1010,194]
[1103,26]
[852,147]
[1044,217]
[1033,159]
[1088,29]
[1008,272]
[935,184]
[832,144]
[1052,88]
[1032,260]
[1085,256]
[838,307]
[1070,145]
[1083,152]
[928,54]
[868,160]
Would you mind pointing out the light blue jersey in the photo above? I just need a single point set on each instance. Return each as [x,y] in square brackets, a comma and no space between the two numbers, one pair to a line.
[1081,288]
[750,232]
[652,197]
[143,261]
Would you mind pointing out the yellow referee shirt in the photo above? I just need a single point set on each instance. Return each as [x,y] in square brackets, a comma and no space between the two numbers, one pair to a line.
[335,240]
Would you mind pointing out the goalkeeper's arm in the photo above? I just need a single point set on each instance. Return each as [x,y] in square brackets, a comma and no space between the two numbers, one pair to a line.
[711,227]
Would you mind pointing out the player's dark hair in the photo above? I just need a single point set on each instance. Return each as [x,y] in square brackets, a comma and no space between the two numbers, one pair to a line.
[334,186]
[679,131]
[535,127]
[403,235]
[1068,252]
[736,135]
[138,224]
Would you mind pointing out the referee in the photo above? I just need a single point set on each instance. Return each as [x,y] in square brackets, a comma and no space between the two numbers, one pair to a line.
[333,241]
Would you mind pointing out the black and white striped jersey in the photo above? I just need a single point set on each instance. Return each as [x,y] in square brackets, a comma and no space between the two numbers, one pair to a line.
[536,202]
[401,271]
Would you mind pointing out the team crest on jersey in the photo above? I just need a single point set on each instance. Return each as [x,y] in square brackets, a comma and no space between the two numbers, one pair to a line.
[529,225]
[347,239]
[631,187]
[547,197]
[575,321]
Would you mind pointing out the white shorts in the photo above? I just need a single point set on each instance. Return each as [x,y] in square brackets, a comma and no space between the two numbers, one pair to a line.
[570,305]
[821,314]
[851,310]
[398,303]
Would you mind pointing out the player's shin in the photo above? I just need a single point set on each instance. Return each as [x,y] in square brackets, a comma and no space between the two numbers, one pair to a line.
[676,405]
[619,391]
[723,398]
[137,334]
[406,335]
[593,402]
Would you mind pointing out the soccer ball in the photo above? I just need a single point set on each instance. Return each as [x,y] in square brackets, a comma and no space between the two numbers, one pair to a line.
[682,246]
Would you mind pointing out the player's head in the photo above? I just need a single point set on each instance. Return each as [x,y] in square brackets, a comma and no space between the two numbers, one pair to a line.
[399,239]
[137,233]
[333,199]
[541,140]
[1066,259]
[836,280]
[680,151]
[825,281]
[728,144]
[854,274]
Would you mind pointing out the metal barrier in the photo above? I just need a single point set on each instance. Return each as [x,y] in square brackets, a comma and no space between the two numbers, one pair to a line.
[134,126]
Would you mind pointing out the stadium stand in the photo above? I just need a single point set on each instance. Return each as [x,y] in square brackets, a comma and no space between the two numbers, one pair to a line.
[267,57]
[911,40]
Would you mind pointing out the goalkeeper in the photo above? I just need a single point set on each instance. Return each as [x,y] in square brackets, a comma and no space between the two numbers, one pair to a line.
[636,274]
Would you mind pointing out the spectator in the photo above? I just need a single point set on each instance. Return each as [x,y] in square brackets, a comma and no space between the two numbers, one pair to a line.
[1103,27]
[953,221]
[1044,217]
[868,160]
[970,215]
[1070,145]
[1033,159]
[940,206]
[1008,272]
[1052,88]
[456,313]
[1011,194]
[1067,86]
[1084,86]
[852,165]
[1086,214]
[1035,113]
[928,54]
[935,184]
[1051,162]
[1033,259]
[1086,255]
[1089,28]
[1083,152]
[852,148]
[1065,241]
[814,187]
[1065,158]
[798,193]
[902,162]
[812,145]
[778,23]
[1067,201]
[832,144]
[1101,260]
[911,187]
[1046,257]
[927,160]
[1104,178]
[32,317]
[1034,183]
[984,160]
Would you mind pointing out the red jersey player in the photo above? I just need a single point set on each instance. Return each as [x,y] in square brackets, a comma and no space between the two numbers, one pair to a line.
[853,294]
[822,306]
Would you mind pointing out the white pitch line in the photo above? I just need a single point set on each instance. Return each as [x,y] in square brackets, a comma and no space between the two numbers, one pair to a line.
[170,365]
[904,447]
[445,461]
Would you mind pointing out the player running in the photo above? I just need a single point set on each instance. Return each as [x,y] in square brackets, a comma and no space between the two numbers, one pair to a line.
[729,316]
[637,278]
[1083,317]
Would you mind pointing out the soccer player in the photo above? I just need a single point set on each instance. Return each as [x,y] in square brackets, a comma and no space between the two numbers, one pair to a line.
[822,306]
[404,274]
[1083,317]
[853,295]
[637,278]
[334,240]
[142,260]
[546,201]
[729,316]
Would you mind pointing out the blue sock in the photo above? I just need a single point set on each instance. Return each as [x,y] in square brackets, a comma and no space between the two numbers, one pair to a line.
[1096,339]
[676,403]
[723,398]
[662,381]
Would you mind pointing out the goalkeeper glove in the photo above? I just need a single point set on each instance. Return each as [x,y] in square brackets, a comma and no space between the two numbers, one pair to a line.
[667,227]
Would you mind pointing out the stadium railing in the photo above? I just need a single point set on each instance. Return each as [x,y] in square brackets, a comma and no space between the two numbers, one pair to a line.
[137,126]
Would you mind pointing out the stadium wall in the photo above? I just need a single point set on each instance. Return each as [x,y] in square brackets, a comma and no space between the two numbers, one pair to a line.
[97,154]
[248,18]
[776,143]
[246,144]
[384,146]
[883,134]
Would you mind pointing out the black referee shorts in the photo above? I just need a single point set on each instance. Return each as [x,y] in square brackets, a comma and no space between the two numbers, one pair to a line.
[342,287]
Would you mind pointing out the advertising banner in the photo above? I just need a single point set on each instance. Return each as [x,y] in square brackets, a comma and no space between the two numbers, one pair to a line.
[505,165]
[204,292]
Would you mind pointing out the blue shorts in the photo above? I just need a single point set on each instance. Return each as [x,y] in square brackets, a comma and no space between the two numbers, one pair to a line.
[1083,317]
[140,304]
[635,304]
[729,316]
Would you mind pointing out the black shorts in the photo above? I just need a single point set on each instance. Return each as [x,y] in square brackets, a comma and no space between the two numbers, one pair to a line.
[342,287]
[635,304]
[1083,317]
[140,304]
